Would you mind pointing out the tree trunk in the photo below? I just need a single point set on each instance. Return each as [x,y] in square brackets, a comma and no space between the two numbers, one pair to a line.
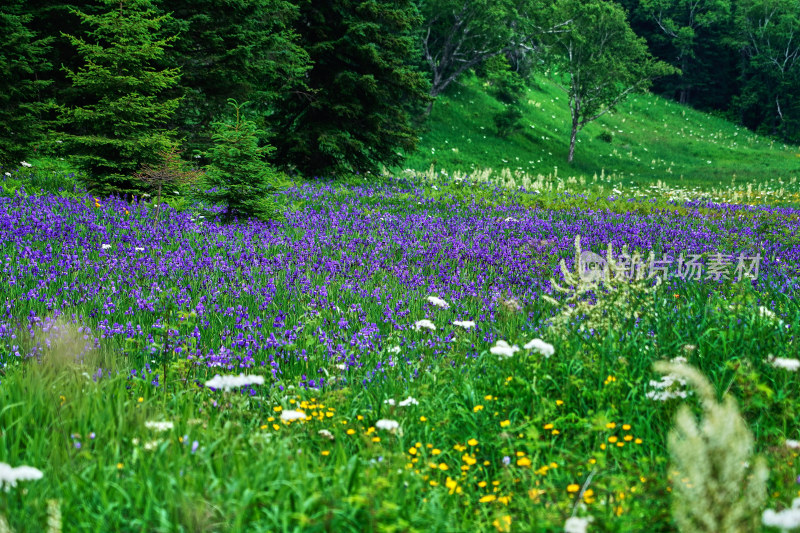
[572,138]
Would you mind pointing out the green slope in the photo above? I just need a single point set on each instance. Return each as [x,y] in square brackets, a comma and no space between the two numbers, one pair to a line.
[653,139]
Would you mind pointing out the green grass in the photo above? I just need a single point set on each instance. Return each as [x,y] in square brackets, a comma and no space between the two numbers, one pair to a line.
[652,139]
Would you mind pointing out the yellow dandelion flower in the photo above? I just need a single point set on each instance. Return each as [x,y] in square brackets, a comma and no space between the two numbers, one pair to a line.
[487,397]
[436,451]
[423,419]
[277,408]
[412,451]
[488,498]
[376,439]
[472,442]
[638,441]
[325,452]
[505,423]
[443,466]
[628,438]
[276,427]
[523,461]
[612,439]
[351,431]
[574,487]
[120,466]
[548,426]
[264,426]
[477,408]
[482,484]
[611,425]
[626,427]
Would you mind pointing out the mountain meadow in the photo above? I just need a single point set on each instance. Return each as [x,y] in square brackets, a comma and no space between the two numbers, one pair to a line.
[371,266]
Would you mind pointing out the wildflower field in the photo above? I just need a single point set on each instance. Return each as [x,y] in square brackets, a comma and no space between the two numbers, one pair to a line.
[405,355]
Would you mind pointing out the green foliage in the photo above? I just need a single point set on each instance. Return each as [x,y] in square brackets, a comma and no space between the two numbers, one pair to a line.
[363,88]
[120,123]
[22,60]
[242,180]
[602,59]
[245,50]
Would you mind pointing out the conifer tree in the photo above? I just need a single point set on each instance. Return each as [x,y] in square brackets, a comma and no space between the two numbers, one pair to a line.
[21,60]
[121,124]
[241,49]
[363,83]
[238,176]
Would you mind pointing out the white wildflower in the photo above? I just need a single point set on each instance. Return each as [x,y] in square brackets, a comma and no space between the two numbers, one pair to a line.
[390,401]
[792,365]
[539,346]
[575,524]
[438,302]
[503,349]
[341,366]
[158,426]
[8,174]
[105,246]
[510,219]
[326,434]
[408,401]
[231,382]
[25,164]
[388,425]
[394,349]
[152,445]
[139,249]
[424,323]
[466,324]
[292,415]
[783,520]
[792,443]
[10,475]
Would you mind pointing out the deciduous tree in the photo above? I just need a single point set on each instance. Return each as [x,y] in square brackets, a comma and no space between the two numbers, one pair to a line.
[601,61]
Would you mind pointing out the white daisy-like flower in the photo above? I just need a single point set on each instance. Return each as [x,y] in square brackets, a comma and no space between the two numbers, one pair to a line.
[408,401]
[394,349]
[792,365]
[388,425]
[503,349]
[326,434]
[292,415]
[158,426]
[539,346]
[390,401]
[792,443]
[424,323]
[7,174]
[438,302]
[231,382]
[466,324]
[25,164]
[139,249]
[105,246]
[510,219]
[9,476]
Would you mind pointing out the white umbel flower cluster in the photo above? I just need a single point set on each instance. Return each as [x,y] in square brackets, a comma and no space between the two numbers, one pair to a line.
[227,383]
[438,302]
[466,324]
[669,386]
[785,520]
[292,415]
[539,346]
[503,349]
[424,323]
[792,365]
[9,476]
[387,425]
[158,426]
[576,524]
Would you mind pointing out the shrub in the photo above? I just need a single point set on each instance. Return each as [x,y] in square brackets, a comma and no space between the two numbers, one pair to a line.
[238,176]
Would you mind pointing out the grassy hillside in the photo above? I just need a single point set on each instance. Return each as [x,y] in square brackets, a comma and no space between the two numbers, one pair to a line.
[651,139]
